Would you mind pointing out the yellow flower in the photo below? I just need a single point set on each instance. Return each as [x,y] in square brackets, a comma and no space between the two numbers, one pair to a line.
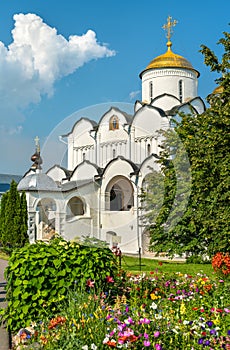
[216,321]
[153,296]
[182,308]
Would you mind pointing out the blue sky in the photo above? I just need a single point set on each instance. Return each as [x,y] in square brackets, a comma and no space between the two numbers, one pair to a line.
[61,57]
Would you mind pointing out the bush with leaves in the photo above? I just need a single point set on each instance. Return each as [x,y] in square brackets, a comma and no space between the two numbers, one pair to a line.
[40,275]
[203,225]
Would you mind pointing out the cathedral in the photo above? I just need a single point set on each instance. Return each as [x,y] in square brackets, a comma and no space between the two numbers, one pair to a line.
[97,194]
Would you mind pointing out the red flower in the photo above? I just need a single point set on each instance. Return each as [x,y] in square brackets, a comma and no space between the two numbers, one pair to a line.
[111,343]
[23,335]
[55,321]
[221,263]
[127,338]
[219,310]
[109,279]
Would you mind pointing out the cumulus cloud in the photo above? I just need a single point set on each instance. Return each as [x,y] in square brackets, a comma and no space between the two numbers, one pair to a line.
[37,57]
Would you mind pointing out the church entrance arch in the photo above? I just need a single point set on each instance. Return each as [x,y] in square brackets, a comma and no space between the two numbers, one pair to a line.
[119,194]
[46,215]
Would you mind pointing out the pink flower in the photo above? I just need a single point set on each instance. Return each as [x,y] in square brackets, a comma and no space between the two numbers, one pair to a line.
[158,347]
[156,334]
[146,343]
[144,320]
[90,283]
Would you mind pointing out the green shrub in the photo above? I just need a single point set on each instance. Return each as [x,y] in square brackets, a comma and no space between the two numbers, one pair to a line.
[40,275]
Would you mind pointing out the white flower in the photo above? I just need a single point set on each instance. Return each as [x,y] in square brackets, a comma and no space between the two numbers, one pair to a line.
[185,322]
[85,347]
[153,306]
[158,316]
[175,331]
[93,347]
[106,340]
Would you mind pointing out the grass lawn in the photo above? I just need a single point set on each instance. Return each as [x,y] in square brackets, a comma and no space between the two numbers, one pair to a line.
[132,264]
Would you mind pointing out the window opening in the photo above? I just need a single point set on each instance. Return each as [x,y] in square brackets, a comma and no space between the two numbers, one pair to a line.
[181,90]
[75,207]
[148,149]
[150,90]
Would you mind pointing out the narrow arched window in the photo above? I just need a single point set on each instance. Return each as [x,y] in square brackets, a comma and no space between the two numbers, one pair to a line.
[114,123]
[151,90]
[83,157]
[181,91]
[148,149]
[114,153]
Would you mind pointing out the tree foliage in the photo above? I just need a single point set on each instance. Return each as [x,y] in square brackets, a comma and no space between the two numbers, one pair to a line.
[13,218]
[202,226]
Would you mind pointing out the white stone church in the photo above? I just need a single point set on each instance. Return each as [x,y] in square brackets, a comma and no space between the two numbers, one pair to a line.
[98,194]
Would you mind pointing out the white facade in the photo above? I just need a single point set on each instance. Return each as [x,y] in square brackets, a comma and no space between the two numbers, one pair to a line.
[98,194]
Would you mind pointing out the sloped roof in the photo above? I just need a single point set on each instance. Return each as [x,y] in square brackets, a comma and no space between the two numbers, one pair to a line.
[38,182]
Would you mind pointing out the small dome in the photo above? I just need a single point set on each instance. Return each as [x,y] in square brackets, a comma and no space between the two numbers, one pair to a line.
[37,182]
[218,90]
[170,60]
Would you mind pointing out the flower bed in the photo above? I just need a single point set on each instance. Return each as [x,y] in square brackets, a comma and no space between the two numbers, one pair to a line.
[154,311]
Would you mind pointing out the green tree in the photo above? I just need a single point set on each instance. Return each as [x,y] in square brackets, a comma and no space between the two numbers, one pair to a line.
[22,237]
[203,227]
[13,216]
[2,215]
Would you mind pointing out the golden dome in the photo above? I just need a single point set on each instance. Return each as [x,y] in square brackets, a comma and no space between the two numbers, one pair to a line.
[218,90]
[170,60]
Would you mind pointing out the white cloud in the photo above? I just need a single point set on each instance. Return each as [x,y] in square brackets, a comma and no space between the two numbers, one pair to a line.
[134,94]
[36,59]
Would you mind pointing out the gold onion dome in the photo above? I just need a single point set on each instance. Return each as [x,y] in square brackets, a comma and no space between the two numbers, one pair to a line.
[218,90]
[170,60]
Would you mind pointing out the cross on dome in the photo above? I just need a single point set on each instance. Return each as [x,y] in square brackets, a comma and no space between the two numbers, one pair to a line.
[37,144]
[168,27]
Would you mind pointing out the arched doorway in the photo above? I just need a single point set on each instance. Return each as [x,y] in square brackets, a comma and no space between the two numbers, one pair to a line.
[119,194]
[46,215]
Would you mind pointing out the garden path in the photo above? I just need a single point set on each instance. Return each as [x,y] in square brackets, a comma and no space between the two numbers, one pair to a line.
[4,336]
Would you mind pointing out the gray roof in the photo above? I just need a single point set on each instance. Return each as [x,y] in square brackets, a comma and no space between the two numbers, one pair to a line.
[70,185]
[38,182]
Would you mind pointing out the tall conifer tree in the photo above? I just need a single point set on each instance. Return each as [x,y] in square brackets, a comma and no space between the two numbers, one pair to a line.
[13,219]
